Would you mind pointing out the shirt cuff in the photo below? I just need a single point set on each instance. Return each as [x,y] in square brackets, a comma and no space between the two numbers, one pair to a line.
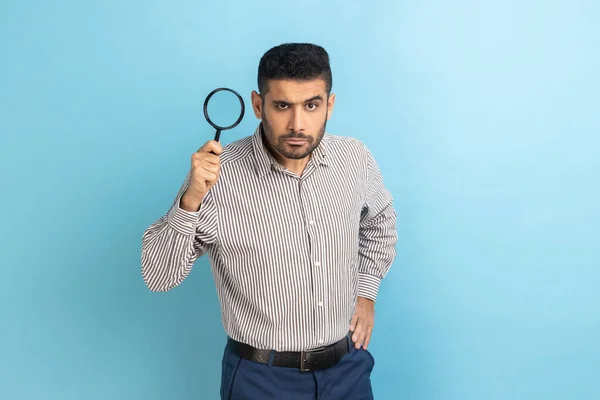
[181,220]
[368,286]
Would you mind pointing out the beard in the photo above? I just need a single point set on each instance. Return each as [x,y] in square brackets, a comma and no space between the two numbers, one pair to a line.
[295,152]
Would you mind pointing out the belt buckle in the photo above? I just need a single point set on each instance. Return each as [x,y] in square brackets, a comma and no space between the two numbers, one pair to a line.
[304,357]
[303,361]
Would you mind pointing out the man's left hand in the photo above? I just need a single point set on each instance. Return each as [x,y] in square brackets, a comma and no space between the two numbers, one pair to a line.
[362,322]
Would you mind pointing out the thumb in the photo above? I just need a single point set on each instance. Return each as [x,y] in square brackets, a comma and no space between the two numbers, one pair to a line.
[353,323]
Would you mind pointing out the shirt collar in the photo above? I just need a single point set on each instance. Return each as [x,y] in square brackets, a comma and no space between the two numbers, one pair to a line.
[265,162]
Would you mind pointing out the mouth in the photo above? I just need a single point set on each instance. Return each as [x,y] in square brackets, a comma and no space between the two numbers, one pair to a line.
[296,142]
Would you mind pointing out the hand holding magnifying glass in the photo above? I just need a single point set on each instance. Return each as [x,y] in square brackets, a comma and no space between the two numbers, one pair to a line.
[205,163]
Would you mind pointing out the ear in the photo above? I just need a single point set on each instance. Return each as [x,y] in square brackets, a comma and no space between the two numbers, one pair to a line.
[257,104]
[330,103]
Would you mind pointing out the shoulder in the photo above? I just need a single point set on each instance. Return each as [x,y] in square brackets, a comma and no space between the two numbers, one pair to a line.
[345,147]
[237,150]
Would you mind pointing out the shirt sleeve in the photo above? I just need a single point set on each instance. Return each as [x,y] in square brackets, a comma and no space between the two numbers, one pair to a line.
[377,233]
[172,244]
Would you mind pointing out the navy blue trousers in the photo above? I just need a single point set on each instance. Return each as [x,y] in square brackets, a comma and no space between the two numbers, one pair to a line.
[350,379]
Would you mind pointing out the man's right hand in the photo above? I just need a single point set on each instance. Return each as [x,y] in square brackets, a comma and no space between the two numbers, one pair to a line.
[204,172]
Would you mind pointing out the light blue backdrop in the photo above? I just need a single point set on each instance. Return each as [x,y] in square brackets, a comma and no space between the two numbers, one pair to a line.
[484,117]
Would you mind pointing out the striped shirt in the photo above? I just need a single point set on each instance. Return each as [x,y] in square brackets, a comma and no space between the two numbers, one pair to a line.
[289,254]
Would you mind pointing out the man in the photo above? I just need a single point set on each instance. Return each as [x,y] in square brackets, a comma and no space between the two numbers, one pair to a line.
[299,230]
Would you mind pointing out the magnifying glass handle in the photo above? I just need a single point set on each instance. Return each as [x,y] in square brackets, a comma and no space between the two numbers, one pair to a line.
[217,136]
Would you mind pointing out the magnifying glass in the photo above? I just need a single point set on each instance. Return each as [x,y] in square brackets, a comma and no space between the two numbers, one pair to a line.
[221,128]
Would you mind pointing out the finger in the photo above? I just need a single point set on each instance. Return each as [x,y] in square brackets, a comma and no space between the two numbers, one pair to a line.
[208,176]
[205,160]
[360,341]
[212,146]
[202,155]
[211,158]
[353,323]
[368,337]
[359,334]
[209,166]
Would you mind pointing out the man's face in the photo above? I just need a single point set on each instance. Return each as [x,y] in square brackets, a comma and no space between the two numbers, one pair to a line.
[294,115]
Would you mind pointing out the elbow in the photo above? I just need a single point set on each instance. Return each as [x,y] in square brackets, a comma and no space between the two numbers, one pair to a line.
[154,280]
[153,285]
[156,287]
[164,265]
[154,269]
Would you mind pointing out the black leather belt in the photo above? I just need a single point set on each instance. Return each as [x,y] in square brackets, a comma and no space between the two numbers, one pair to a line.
[310,360]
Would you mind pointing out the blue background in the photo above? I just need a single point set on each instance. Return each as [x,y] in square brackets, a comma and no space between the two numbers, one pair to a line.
[484,117]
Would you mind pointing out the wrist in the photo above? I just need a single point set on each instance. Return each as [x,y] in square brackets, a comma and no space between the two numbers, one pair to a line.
[368,286]
[191,201]
[366,300]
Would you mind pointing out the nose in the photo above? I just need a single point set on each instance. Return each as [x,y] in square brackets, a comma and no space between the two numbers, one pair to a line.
[296,123]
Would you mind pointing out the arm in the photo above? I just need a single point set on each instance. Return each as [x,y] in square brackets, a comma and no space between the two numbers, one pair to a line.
[376,252]
[172,244]
[377,234]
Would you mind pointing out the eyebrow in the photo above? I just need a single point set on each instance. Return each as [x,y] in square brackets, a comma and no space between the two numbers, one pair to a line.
[314,98]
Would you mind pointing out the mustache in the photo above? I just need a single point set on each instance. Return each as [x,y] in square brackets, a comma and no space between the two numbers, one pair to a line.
[293,135]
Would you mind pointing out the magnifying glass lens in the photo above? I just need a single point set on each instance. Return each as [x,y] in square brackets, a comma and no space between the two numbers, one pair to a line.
[223,108]
[218,107]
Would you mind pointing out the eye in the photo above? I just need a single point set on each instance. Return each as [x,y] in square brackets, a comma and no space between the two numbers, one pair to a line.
[311,106]
[281,106]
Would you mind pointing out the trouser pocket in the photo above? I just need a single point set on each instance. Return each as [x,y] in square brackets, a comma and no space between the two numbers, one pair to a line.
[229,368]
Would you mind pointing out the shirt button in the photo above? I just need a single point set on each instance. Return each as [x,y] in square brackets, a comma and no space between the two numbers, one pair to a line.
[311,222]
[320,341]
[317,264]
[320,304]
[190,224]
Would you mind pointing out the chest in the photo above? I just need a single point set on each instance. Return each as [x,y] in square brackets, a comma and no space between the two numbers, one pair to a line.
[283,217]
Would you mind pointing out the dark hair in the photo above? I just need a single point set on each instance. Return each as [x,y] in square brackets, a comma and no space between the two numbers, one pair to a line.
[296,61]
